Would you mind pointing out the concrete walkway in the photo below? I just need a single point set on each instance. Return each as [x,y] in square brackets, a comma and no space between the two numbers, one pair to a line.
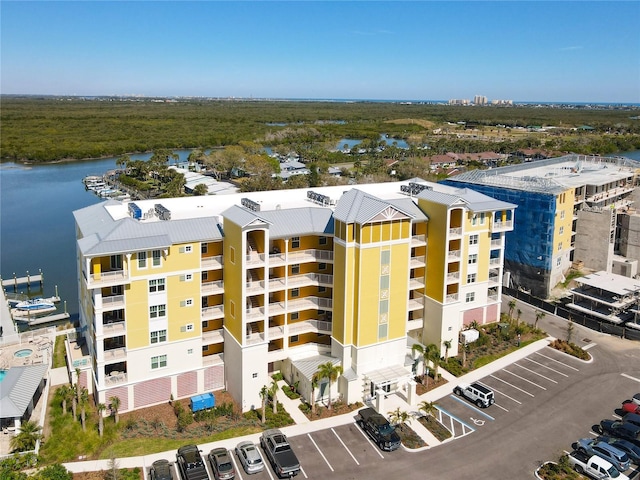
[303,425]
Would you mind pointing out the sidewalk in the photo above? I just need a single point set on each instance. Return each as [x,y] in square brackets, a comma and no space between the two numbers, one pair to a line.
[303,425]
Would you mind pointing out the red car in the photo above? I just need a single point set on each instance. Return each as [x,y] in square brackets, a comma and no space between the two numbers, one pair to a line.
[630,407]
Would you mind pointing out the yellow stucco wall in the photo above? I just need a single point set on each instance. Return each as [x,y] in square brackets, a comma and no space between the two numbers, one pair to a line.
[436,248]
[233,279]
[564,203]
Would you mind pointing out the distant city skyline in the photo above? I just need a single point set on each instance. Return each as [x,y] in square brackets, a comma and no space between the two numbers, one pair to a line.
[546,51]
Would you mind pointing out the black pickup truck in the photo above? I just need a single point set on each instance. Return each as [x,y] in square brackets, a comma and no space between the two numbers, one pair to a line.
[190,463]
[379,429]
[279,453]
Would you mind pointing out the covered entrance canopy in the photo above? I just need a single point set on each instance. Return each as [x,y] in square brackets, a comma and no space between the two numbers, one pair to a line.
[387,378]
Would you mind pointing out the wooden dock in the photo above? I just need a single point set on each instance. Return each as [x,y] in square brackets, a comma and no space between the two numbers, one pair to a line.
[27,280]
[49,318]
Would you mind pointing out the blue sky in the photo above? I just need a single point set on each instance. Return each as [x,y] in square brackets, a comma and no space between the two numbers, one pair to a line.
[584,51]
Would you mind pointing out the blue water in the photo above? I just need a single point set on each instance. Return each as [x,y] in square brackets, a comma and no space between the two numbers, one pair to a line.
[36,223]
[2,374]
[25,352]
[352,142]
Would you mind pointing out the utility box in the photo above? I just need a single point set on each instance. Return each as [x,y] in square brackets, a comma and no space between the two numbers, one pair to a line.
[203,402]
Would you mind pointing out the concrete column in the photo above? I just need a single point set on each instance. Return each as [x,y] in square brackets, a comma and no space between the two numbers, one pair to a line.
[411,392]
[380,394]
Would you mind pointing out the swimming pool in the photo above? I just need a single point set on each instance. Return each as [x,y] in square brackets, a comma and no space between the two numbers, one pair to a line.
[2,374]
[25,352]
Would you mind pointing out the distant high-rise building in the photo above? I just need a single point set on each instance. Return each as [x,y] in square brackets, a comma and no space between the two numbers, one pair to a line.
[459,101]
[479,100]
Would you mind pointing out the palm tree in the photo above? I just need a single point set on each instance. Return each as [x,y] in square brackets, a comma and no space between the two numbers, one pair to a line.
[428,408]
[539,315]
[264,393]
[101,408]
[447,346]
[331,372]
[115,405]
[64,391]
[84,400]
[27,437]
[74,401]
[272,393]
[430,353]
[399,416]
[512,305]
[314,385]
[519,312]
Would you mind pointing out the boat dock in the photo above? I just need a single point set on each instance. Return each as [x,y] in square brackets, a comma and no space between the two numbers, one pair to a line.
[28,280]
[49,318]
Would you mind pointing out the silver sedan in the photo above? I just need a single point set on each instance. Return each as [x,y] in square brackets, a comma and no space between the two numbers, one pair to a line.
[249,457]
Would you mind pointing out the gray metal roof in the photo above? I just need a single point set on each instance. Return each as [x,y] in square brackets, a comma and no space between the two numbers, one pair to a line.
[356,206]
[18,388]
[299,221]
[243,216]
[102,235]
[308,366]
[475,201]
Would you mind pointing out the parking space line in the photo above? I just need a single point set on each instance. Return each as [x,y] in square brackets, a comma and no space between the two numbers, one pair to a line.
[345,447]
[370,442]
[467,404]
[500,406]
[501,393]
[303,472]
[267,469]
[557,361]
[320,451]
[545,366]
[522,378]
[452,418]
[535,373]
[587,347]
[630,377]
[236,465]
[512,386]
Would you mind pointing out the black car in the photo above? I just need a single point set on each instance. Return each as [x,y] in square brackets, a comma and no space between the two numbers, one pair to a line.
[626,431]
[626,446]
[379,429]
[160,470]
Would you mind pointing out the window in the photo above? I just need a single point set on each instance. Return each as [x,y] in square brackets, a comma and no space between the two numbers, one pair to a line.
[142,259]
[116,262]
[159,336]
[382,330]
[558,262]
[295,242]
[204,276]
[295,292]
[384,282]
[254,375]
[186,249]
[562,214]
[471,278]
[295,269]
[295,315]
[473,258]
[156,285]
[158,362]
[190,350]
[157,311]
[473,240]
[190,327]
[560,246]
[294,339]
[187,277]
[204,247]
[322,266]
[157,258]
[561,230]
[385,257]
[322,241]
[187,303]
[322,289]
[470,297]
[232,255]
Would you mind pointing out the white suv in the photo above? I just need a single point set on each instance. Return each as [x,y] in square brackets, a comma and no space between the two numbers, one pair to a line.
[478,394]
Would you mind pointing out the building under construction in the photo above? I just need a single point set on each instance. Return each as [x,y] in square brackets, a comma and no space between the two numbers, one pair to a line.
[571,211]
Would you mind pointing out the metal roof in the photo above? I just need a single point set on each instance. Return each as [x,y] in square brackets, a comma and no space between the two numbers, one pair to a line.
[309,366]
[356,206]
[18,388]
[474,201]
[299,221]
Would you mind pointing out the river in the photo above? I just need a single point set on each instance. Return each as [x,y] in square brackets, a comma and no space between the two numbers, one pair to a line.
[36,223]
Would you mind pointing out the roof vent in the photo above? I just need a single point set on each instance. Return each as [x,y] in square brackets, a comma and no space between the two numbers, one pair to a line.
[163,212]
[412,188]
[250,204]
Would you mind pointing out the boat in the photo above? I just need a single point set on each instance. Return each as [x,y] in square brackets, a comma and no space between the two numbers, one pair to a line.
[35,304]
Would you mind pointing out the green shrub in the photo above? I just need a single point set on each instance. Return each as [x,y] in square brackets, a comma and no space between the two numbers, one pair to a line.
[277,376]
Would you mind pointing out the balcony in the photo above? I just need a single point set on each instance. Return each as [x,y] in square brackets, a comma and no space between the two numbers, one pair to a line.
[115,354]
[297,281]
[496,243]
[416,283]
[417,262]
[455,232]
[494,262]
[311,255]
[254,338]
[107,279]
[504,226]
[211,263]
[451,298]
[212,288]
[254,312]
[453,255]
[415,324]
[212,336]
[254,259]
[418,241]
[493,297]
[255,286]
[212,313]
[114,328]
[112,302]
[213,359]
[415,304]
[299,328]
[494,280]
[453,277]
[115,378]
[307,303]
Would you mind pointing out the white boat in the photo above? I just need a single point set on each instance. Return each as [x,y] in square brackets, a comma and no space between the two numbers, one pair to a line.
[35,304]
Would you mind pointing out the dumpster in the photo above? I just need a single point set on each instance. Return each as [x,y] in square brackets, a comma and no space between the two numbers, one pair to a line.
[202,402]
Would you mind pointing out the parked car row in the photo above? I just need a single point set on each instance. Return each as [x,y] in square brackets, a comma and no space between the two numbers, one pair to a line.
[612,452]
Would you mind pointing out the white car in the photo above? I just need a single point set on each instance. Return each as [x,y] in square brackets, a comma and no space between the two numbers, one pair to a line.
[249,457]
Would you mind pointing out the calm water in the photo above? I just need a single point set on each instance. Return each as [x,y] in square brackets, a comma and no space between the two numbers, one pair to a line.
[36,221]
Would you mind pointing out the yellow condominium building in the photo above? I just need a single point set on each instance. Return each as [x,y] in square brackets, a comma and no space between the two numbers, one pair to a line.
[183,296]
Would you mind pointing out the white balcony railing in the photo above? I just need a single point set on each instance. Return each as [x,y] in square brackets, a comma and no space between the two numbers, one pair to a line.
[213,359]
[502,226]
[103,279]
[455,232]
[453,277]
[212,263]
[112,302]
[113,328]
[415,304]
[496,243]
[115,378]
[213,288]
[212,336]
[417,262]
[451,298]
[254,338]
[115,354]
[494,261]
[418,240]
[416,283]
[453,255]
[212,313]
